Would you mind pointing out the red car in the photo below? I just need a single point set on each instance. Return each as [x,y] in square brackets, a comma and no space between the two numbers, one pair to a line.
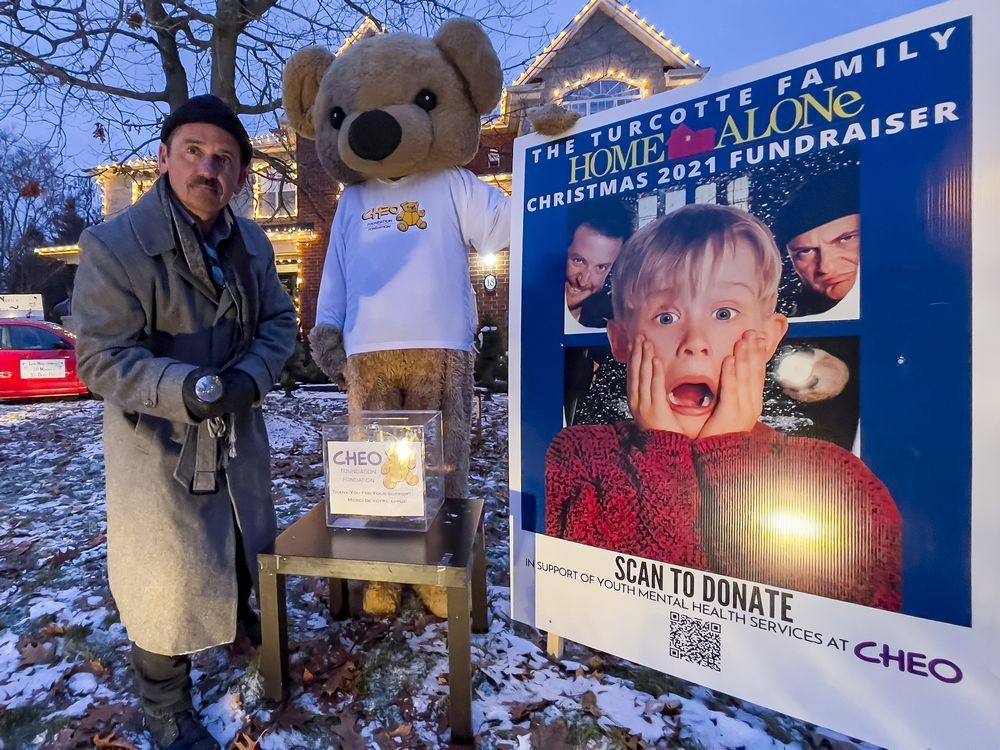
[37,359]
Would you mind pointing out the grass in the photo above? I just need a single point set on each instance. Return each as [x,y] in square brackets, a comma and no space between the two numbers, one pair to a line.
[583,732]
[20,726]
[81,644]
[650,680]
[389,668]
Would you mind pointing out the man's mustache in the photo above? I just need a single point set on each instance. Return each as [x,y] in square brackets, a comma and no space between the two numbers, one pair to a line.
[206,182]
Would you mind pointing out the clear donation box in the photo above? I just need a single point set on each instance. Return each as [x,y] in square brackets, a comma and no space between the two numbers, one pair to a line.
[384,470]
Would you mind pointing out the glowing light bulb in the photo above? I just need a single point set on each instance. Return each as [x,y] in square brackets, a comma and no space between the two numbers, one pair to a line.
[490,261]
[404,450]
[793,526]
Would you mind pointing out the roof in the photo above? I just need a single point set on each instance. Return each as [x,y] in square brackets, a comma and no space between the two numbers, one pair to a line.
[646,33]
[367,28]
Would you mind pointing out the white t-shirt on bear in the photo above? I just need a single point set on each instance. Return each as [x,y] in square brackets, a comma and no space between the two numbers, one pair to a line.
[396,274]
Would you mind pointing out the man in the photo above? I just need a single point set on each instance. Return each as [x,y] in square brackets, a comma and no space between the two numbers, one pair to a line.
[820,229]
[597,231]
[183,328]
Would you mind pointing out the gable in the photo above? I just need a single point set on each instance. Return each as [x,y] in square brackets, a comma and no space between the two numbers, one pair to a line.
[605,28]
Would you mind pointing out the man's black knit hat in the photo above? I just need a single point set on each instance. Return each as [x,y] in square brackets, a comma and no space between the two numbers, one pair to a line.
[829,196]
[213,111]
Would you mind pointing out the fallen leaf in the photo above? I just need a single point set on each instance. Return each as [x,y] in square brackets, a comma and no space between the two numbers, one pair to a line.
[342,680]
[307,677]
[292,716]
[554,736]
[315,586]
[52,630]
[66,739]
[347,732]
[589,703]
[672,707]
[61,558]
[101,717]
[110,742]
[93,666]
[35,652]
[245,742]
[22,547]
[521,711]
[404,702]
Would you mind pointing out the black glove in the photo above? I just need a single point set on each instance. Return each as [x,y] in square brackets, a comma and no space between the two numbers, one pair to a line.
[239,392]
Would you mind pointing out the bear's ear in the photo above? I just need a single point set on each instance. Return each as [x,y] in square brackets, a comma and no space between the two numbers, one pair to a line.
[300,84]
[466,46]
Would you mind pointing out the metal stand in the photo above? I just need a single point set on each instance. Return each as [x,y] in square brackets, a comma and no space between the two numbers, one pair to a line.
[451,553]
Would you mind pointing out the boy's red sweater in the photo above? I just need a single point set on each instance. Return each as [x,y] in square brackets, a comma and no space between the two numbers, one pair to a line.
[792,512]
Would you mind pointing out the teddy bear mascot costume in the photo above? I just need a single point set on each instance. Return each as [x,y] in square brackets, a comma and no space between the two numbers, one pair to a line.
[394,118]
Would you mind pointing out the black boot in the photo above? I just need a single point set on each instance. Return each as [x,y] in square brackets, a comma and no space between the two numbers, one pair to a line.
[179,731]
[248,625]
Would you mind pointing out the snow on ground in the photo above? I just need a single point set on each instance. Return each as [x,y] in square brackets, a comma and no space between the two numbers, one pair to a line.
[359,683]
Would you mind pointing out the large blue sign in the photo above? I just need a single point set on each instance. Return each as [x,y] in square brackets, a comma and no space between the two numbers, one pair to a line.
[744,339]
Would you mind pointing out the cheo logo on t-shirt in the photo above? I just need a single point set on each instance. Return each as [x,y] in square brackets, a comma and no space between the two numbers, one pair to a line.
[406,215]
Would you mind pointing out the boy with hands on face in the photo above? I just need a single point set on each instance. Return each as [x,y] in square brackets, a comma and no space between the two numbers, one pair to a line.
[695,479]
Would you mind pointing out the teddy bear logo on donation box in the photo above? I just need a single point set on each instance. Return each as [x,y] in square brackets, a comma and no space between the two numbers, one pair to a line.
[384,470]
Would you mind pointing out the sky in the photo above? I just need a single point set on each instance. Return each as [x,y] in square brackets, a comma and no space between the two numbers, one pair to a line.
[724,35]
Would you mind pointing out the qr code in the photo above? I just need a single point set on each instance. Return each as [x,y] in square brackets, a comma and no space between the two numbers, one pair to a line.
[696,641]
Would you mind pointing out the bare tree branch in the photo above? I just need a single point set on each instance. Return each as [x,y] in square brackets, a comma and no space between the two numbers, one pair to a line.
[116,68]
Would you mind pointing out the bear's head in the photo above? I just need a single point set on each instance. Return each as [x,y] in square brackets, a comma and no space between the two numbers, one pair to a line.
[395,104]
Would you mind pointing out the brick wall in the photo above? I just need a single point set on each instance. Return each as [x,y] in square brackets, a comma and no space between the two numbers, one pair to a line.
[317,204]
[492,305]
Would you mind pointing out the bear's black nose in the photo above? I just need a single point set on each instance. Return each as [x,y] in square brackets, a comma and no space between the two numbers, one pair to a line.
[374,135]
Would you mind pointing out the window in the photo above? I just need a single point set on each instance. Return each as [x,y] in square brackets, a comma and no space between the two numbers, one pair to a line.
[673,199]
[646,210]
[706,193]
[29,338]
[738,192]
[600,96]
[275,195]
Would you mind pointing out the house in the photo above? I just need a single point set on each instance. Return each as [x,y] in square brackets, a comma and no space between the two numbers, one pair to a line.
[685,142]
[606,55]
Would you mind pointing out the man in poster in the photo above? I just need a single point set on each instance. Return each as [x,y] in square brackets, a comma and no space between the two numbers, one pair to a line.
[820,229]
[597,231]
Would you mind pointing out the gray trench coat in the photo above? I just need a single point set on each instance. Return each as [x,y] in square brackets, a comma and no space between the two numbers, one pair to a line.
[144,322]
